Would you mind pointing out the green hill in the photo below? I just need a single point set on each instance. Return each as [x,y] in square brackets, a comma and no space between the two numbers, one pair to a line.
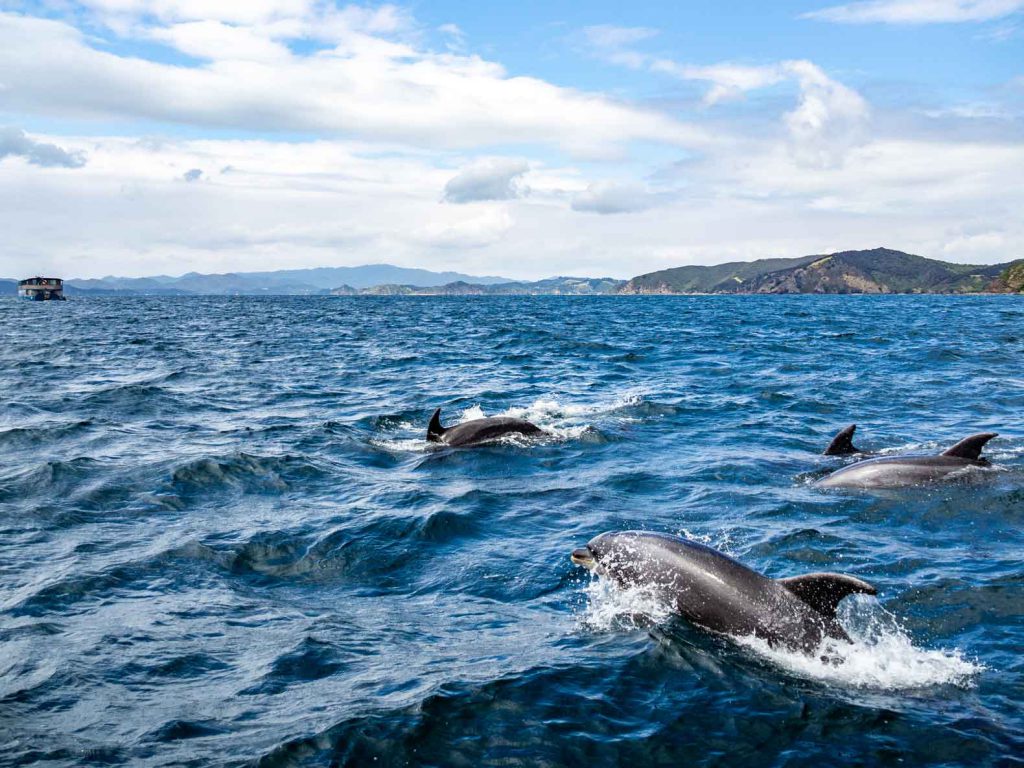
[719,278]
[1013,277]
[880,270]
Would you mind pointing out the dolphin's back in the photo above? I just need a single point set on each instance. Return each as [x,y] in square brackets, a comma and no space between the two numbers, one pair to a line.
[897,471]
[485,430]
[713,590]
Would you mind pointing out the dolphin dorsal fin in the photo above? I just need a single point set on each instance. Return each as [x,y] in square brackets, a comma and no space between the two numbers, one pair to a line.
[842,443]
[970,447]
[823,591]
[434,429]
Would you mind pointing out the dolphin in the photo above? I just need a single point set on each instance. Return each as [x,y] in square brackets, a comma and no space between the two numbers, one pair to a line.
[899,471]
[842,443]
[479,431]
[718,593]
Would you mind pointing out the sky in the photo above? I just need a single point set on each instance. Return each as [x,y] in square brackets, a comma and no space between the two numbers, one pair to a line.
[526,139]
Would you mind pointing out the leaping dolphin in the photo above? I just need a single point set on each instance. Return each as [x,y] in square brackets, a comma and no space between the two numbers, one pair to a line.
[479,431]
[899,471]
[720,594]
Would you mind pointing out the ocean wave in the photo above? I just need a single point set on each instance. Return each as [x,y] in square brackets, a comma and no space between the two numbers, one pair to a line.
[52,477]
[313,659]
[41,433]
[244,471]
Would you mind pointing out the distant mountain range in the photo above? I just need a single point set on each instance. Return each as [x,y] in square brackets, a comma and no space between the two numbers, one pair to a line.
[553,286]
[880,270]
[319,280]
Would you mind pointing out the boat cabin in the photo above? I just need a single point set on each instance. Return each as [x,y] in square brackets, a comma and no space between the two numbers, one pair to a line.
[41,289]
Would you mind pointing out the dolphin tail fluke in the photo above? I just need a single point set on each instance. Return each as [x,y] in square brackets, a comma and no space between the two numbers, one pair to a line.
[434,429]
[842,443]
[970,447]
[823,591]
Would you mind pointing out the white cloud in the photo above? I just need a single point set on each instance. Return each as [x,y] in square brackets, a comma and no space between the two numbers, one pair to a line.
[891,178]
[613,43]
[973,111]
[484,228]
[609,36]
[14,142]
[1000,33]
[729,81]
[972,245]
[316,18]
[827,121]
[830,118]
[490,179]
[364,86]
[210,39]
[918,11]
[455,38]
[609,197]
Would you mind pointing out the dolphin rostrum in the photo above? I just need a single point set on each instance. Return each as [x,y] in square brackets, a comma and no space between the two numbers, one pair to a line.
[899,471]
[718,593]
[479,430]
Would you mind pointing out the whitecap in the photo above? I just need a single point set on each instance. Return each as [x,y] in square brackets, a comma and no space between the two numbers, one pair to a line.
[549,409]
[407,445]
[882,655]
[610,608]
[471,413]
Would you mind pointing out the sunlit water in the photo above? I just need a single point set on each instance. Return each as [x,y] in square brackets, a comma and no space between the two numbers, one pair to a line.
[224,540]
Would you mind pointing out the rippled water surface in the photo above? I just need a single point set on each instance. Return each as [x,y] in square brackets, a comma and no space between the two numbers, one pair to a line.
[224,541]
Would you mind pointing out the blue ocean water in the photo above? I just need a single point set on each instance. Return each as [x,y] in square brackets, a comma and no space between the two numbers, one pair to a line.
[224,541]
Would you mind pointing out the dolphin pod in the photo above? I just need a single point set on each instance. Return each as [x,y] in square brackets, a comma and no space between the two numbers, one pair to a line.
[718,593]
[478,431]
[905,470]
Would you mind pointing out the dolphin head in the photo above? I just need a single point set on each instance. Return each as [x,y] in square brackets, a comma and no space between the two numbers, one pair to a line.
[619,556]
[583,556]
[597,555]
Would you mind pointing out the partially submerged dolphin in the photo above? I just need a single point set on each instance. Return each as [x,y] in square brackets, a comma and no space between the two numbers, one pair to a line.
[842,443]
[720,594]
[479,430]
[899,471]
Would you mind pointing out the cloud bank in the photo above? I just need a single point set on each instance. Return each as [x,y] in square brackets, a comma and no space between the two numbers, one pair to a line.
[314,134]
[357,84]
